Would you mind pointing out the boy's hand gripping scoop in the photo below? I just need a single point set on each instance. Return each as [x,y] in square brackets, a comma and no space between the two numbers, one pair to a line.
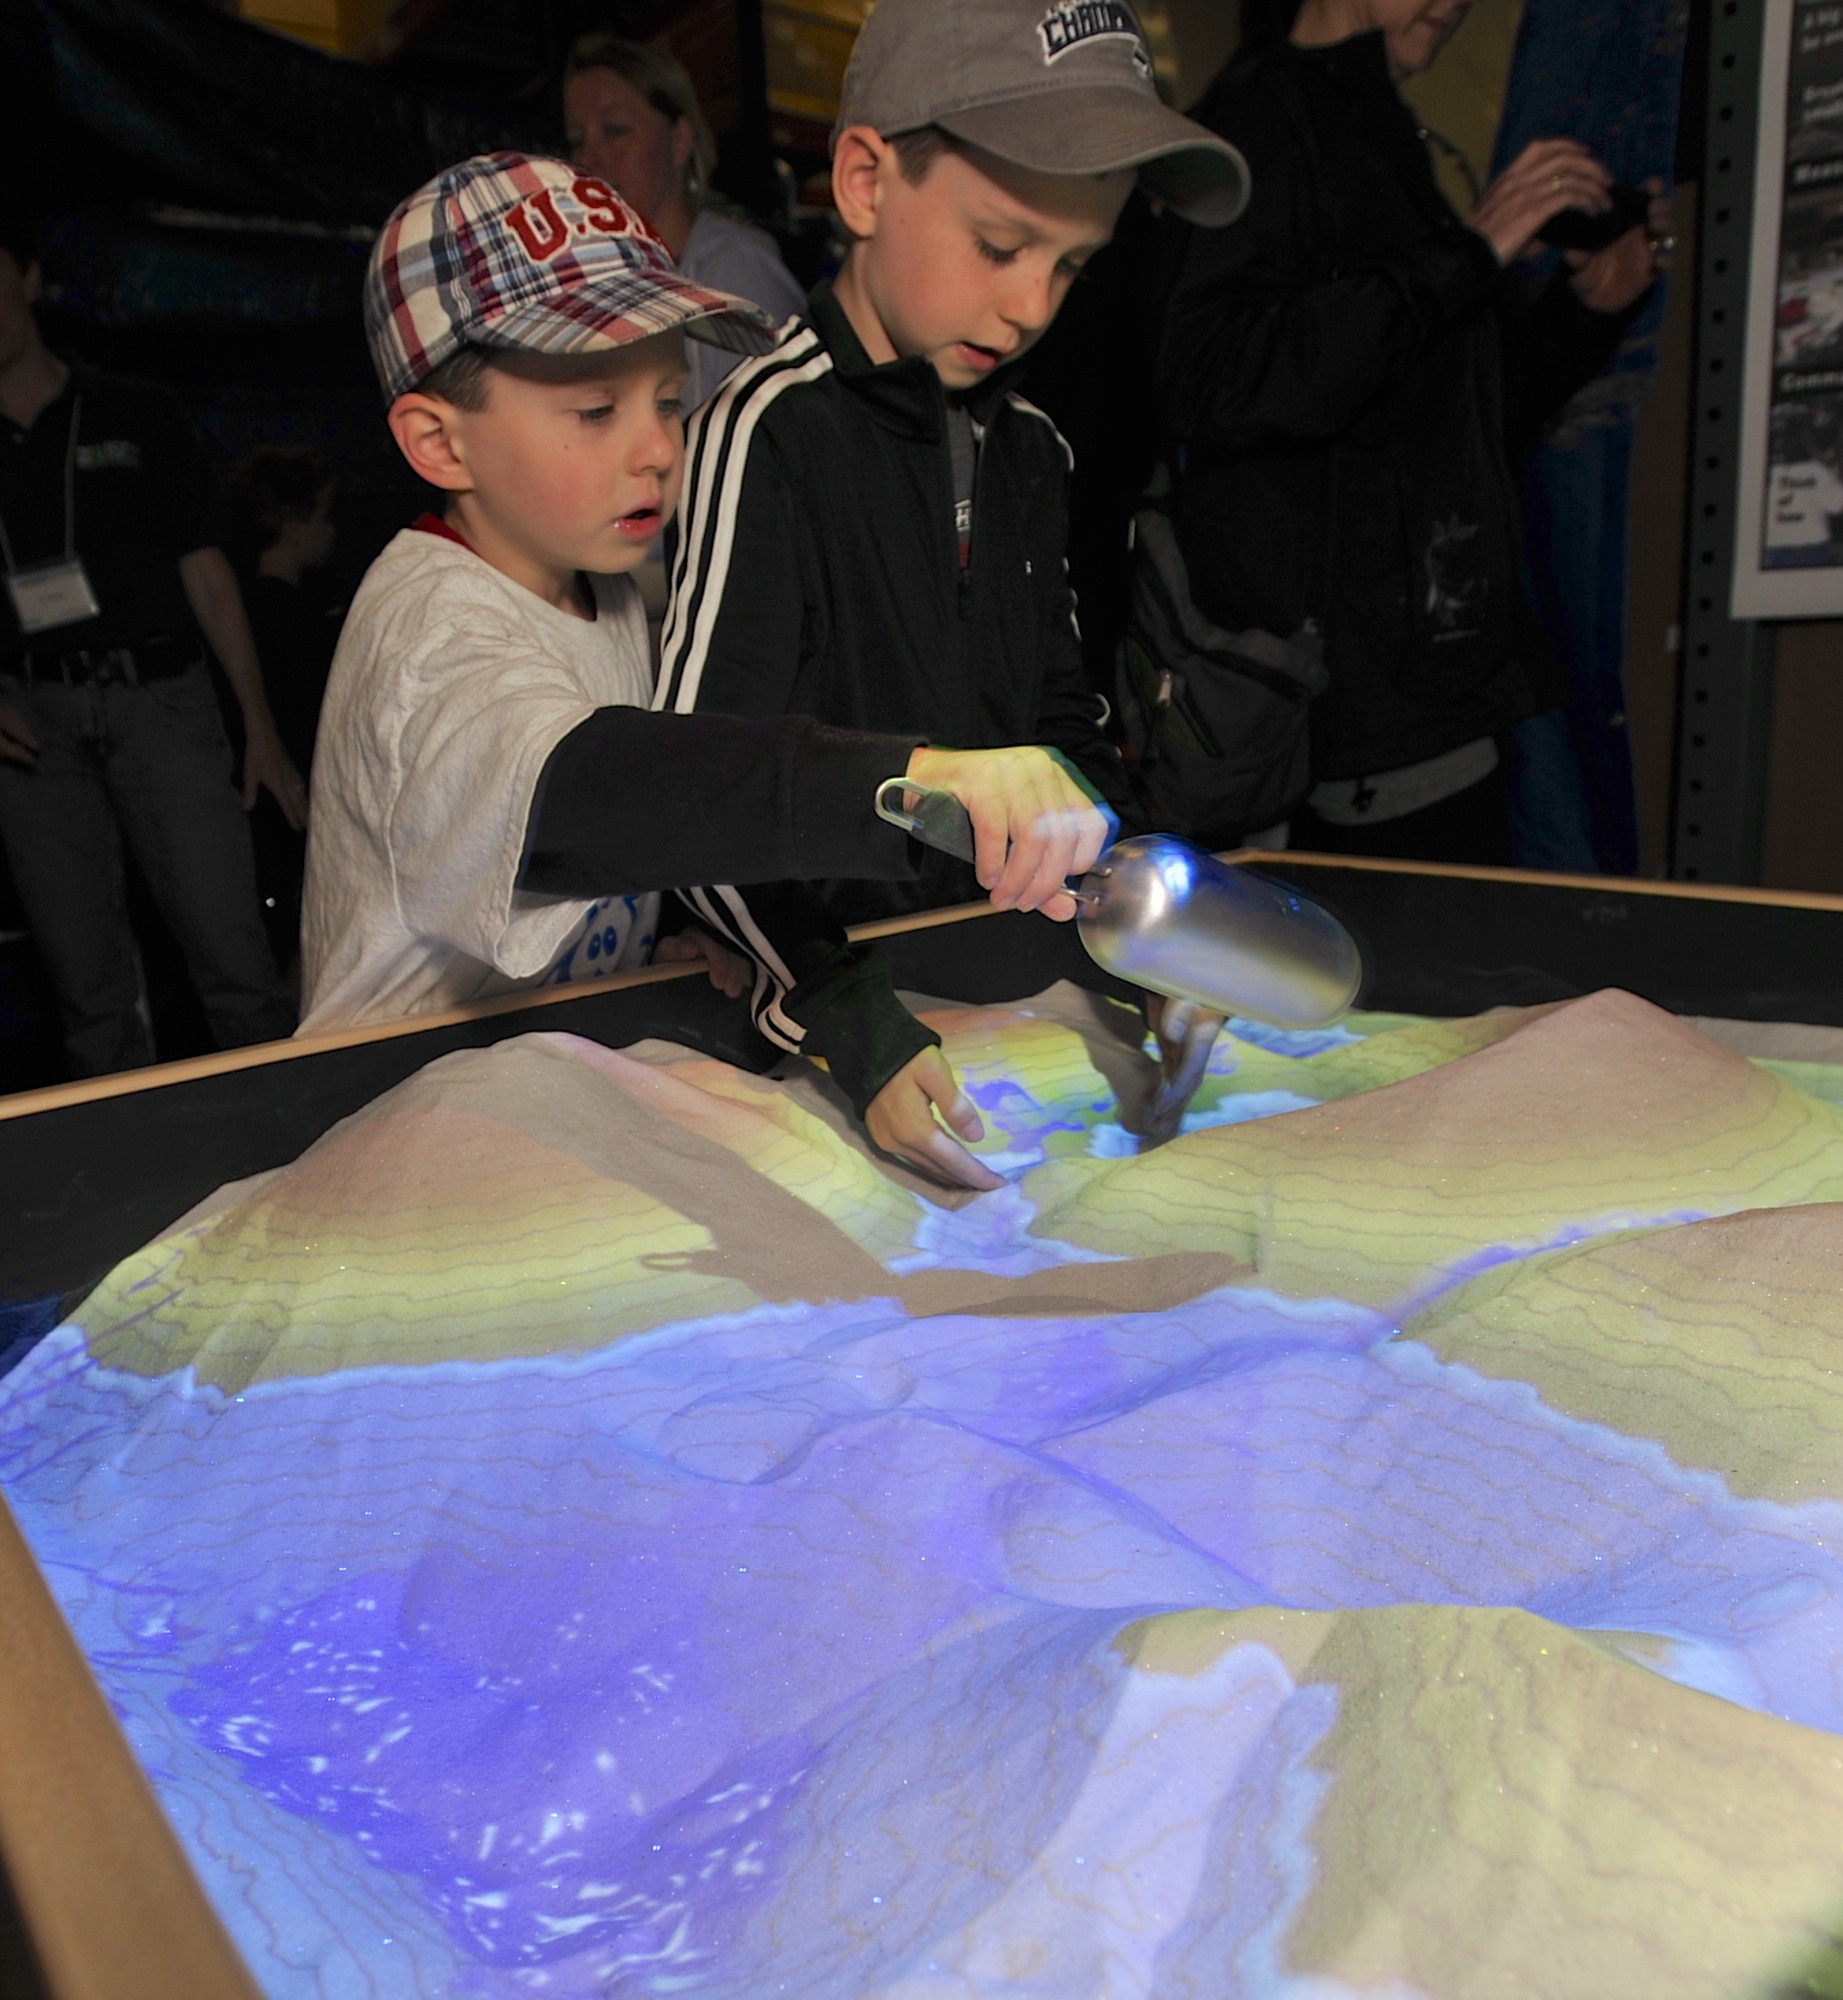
[1168,917]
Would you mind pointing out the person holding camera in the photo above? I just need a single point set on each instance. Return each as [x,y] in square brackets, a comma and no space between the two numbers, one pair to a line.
[1344,380]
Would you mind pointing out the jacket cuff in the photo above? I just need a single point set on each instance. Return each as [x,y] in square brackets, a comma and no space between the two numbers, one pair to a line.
[852,1017]
[834,779]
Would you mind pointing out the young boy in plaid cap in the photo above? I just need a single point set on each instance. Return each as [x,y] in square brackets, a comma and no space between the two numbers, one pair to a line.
[494,803]
[874,523]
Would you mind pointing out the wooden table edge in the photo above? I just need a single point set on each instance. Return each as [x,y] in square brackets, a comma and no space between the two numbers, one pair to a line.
[90,1090]
[107,1897]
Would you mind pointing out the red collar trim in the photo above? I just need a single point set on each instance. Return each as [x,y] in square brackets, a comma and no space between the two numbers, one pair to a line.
[433,524]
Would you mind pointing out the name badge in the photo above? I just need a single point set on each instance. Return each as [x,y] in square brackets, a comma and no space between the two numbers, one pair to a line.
[52,594]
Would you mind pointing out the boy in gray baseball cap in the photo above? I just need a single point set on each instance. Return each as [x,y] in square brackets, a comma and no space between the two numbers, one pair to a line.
[874,521]
[1064,89]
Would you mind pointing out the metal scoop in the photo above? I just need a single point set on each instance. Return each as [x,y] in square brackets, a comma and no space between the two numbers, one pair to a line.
[1168,917]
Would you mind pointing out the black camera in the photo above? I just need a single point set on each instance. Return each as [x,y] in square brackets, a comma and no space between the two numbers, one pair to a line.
[1576,229]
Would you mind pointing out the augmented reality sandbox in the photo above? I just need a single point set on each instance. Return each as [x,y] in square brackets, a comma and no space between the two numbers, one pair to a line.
[588,1529]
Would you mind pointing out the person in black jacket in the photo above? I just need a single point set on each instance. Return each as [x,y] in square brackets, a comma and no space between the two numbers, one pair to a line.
[1343,378]
[874,529]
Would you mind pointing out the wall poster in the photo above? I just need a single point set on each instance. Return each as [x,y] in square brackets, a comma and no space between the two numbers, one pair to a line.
[1789,557]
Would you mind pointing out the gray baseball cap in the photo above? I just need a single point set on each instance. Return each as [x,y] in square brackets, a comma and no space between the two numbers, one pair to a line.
[1063,88]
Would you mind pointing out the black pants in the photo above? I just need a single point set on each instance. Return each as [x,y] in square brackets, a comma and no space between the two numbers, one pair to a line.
[148,765]
[1473,825]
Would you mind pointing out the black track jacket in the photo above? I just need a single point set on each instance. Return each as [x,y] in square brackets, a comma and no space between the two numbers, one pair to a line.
[818,574]
[1348,373]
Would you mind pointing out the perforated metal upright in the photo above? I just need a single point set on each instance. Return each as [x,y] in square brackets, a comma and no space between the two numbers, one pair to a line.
[1725,713]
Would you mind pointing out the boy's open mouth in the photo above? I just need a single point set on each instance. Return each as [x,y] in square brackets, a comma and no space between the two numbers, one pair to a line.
[979,357]
[643,523]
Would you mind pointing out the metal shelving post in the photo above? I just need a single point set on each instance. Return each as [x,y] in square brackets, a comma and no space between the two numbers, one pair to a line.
[1724,723]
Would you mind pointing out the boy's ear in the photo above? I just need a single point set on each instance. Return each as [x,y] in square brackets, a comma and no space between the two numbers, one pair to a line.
[32,282]
[859,164]
[425,430]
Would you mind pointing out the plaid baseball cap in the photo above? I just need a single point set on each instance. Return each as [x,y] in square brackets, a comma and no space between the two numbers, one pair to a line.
[1063,88]
[512,251]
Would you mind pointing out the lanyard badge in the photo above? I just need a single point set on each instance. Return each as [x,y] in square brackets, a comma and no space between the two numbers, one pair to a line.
[50,595]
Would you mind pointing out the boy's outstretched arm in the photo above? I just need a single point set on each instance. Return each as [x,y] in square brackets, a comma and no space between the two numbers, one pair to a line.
[782,798]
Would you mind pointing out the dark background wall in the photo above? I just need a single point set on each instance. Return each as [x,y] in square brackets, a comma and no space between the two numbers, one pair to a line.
[211,187]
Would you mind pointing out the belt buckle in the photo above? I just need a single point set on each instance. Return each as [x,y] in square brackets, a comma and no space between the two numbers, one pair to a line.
[108,666]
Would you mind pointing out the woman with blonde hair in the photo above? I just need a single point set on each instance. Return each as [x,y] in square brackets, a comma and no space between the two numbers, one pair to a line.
[631,117]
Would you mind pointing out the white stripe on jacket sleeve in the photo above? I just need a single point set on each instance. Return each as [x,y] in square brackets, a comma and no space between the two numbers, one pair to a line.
[717,450]
[717,464]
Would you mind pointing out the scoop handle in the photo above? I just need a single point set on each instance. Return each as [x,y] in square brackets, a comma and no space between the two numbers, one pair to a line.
[937,819]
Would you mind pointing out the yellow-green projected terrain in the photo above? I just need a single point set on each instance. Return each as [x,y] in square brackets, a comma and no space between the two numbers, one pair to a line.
[590,1529]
